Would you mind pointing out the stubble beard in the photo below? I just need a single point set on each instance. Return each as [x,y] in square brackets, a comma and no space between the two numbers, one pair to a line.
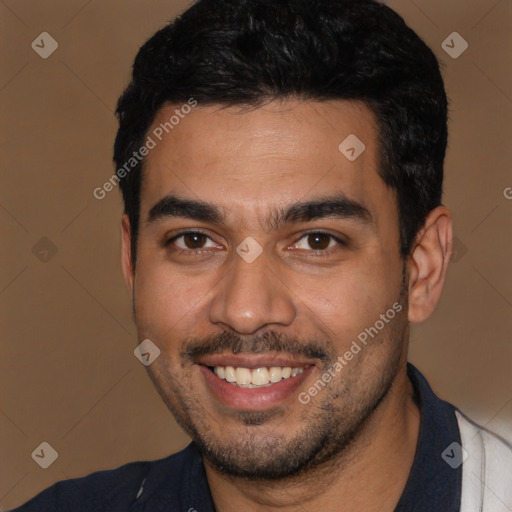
[330,425]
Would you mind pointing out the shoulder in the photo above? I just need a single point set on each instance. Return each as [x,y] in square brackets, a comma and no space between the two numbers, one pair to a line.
[115,489]
[487,468]
[497,450]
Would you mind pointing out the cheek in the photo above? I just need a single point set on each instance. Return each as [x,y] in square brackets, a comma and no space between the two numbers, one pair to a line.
[169,303]
[158,298]
[349,300]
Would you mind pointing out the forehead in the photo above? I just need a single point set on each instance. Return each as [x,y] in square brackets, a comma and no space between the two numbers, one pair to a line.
[249,160]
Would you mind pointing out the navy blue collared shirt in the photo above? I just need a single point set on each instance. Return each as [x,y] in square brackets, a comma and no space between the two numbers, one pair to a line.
[178,483]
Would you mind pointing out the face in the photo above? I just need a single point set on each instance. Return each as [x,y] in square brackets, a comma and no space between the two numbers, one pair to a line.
[265,258]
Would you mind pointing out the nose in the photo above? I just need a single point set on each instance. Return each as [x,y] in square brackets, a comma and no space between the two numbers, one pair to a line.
[251,297]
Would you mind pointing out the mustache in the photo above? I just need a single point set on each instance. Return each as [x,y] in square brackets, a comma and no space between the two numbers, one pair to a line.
[267,342]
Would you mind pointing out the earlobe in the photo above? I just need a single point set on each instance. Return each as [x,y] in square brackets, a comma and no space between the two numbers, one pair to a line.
[126,258]
[428,264]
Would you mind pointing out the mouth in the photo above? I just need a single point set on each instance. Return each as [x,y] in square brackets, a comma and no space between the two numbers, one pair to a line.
[253,382]
[256,377]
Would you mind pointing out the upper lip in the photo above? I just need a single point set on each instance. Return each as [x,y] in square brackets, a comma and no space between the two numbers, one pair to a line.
[251,360]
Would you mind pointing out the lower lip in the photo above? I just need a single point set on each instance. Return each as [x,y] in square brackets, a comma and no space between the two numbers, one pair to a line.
[253,399]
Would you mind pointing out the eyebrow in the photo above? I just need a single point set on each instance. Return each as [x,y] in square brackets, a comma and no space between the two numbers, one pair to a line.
[337,206]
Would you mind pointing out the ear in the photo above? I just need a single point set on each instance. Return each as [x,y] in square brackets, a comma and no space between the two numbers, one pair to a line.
[428,264]
[126,253]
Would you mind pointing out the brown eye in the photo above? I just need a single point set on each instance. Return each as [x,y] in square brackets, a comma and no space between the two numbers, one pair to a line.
[191,241]
[319,241]
[194,240]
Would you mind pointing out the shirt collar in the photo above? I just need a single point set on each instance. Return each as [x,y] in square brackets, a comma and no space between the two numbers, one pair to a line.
[433,484]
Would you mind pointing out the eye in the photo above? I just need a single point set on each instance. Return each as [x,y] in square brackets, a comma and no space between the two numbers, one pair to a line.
[189,241]
[318,241]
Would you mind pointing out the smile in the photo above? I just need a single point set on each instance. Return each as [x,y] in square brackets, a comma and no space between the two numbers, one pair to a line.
[256,377]
[253,382]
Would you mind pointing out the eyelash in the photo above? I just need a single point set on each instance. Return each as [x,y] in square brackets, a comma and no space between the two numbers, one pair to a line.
[194,252]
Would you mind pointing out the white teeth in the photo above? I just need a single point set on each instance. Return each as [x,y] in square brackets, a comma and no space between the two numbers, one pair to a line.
[260,376]
[230,374]
[256,377]
[243,376]
[286,372]
[275,374]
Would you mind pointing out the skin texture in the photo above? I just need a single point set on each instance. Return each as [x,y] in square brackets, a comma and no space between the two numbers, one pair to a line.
[304,299]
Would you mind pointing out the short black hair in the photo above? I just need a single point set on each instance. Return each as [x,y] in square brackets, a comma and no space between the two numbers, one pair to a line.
[249,52]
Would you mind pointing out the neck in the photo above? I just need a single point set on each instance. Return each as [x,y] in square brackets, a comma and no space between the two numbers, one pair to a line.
[370,474]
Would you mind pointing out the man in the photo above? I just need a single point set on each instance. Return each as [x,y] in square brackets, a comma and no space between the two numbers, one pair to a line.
[281,165]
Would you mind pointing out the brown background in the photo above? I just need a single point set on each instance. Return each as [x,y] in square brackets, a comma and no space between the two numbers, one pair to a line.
[69,376]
